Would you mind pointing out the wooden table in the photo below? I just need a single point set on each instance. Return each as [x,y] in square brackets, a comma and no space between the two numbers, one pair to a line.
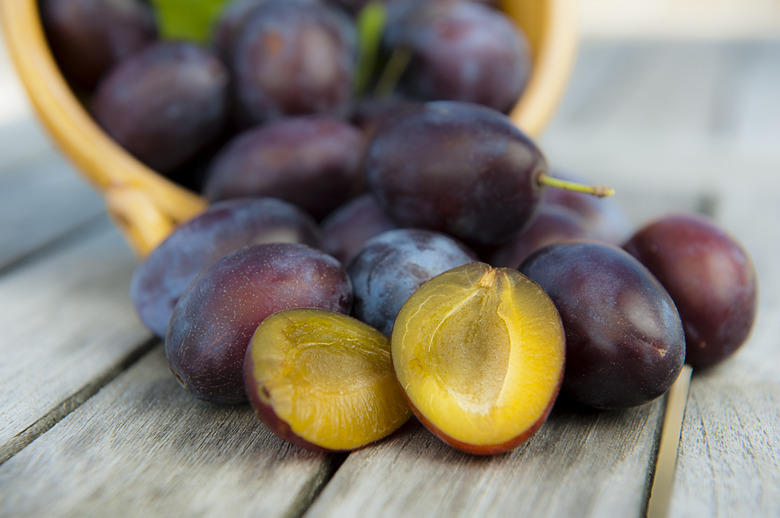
[93,424]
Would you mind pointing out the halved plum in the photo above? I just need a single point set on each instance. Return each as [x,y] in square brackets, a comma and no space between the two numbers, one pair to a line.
[323,380]
[479,353]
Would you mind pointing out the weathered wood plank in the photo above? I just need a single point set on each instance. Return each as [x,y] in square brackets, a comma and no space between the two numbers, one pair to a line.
[729,459]
[578,464]
[647,85]
[595,60]
[41,199]
[669,96]
[146,447]
[662,131]
[66,321]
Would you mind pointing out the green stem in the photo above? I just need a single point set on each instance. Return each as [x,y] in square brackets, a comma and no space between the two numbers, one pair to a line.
[595,190]
[371,24]
[393,71]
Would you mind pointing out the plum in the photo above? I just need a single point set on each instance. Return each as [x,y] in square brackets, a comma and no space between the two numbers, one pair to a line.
[479,353]
[311,161]
[165,103]
[389,267]
[625,344]
[461,51]
[159,281]
[348,227]
[88,37]
[552,223]
[216,316]
[710,278]
[293,58]
[458,168]
[323,380]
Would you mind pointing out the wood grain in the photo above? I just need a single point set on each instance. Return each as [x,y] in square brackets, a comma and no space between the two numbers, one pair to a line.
[67,321]
[729,459]
[578,464]
[41,200]
[143,446]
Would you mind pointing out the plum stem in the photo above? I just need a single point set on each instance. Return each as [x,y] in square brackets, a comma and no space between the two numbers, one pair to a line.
[599,191]
[394,69]
[371,23]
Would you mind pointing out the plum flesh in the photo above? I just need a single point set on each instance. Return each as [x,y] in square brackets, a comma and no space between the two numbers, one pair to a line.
[323,380]
[479,353]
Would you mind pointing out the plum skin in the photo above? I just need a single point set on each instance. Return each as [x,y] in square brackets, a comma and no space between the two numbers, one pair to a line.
[625,344]
[392,265]
[312,161]
[164,103]
[346,229]
[88,37]
[709,276]
[159,281]
[552,223]
[216,316]
[461,51]
[292,58]
[459,168]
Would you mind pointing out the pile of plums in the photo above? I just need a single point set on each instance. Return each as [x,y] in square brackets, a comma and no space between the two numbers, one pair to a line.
[213,116]
[425,263]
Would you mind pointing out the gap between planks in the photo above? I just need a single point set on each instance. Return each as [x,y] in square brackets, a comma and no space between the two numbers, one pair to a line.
[663,479]
[46,422]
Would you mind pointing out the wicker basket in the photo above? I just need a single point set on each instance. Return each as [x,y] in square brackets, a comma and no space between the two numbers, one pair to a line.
[146,206]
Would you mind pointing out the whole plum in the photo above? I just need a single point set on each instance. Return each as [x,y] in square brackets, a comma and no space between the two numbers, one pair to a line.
[461,51]
[216,316]
[625,344]
[391,266]
[312,161]
[293,58]
[348,227]
[603,218]
[553,223]
[87,37]
[159,281]
[164,103]
[459,168]
[710,277]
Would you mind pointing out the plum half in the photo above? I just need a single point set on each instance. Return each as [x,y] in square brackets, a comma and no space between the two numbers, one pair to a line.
[323,380]
[479,353]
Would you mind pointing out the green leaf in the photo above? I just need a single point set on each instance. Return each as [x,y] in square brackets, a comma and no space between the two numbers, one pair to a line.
[189,20]
[370,25]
